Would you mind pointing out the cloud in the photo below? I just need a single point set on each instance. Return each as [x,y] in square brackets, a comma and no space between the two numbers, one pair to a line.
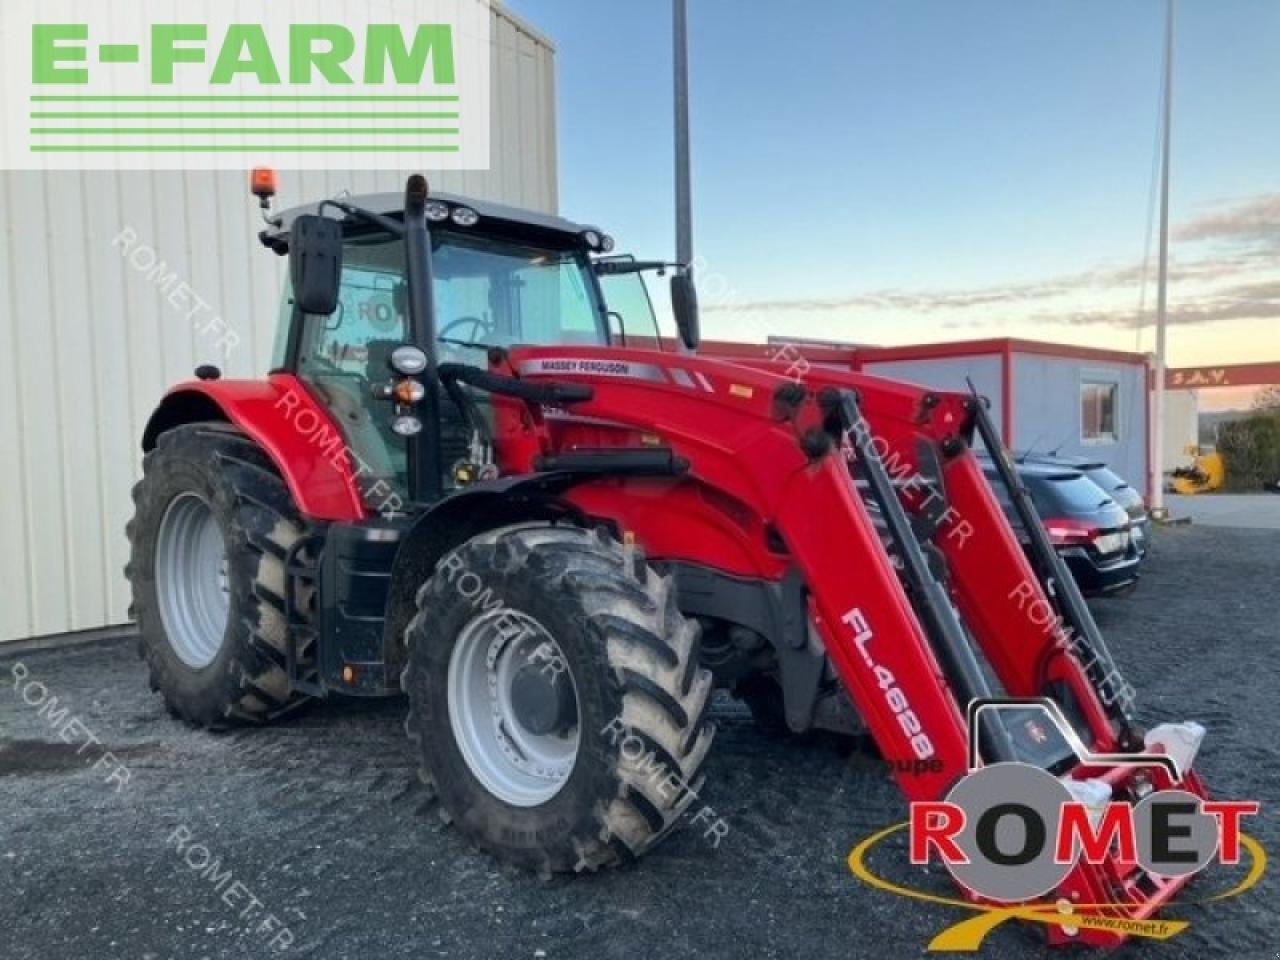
[1101,280]
[1246,301]
[1252,220]
[910,300]
[1251,229]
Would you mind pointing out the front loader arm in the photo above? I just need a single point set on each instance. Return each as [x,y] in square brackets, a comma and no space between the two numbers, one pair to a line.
[871,632]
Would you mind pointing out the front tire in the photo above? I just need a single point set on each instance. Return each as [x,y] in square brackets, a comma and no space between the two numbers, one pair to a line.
[212,525]
[543,776]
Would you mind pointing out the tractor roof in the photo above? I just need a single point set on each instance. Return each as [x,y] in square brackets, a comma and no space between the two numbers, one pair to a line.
[393,203]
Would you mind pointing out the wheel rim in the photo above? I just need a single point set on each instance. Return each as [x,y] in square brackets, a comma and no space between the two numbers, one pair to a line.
[191,580]
[516,763]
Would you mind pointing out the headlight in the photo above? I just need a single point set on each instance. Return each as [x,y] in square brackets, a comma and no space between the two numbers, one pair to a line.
[406,426]
[437,210]
[606,243]
[408,360]
[591,239]
[465,216]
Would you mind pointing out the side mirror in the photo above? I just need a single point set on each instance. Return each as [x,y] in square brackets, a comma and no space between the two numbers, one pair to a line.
[684,304]
[315,264]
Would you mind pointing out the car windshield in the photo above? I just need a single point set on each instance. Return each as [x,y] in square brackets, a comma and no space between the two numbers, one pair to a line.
[1106,478]
[1069,493]
[1121,492]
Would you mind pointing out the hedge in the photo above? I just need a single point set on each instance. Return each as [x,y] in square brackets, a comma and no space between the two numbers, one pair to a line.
[1250,450]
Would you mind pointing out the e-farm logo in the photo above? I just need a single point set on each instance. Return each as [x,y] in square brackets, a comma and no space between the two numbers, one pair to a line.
[303,84]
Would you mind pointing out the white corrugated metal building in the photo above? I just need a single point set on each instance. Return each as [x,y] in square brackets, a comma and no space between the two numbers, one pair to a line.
[91,342]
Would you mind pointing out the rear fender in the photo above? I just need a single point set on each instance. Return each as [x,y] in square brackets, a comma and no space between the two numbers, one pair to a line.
[282,417]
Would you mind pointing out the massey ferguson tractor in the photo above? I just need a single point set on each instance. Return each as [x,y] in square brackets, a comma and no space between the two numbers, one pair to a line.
[475,475]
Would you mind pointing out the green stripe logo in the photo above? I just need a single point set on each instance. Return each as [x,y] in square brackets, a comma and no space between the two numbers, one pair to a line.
[288,90]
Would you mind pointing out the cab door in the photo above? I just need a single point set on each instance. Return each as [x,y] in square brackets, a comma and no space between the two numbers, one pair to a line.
[343,358]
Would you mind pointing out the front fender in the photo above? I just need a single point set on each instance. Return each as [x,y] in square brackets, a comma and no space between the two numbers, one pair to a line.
[283,418]
[451,522]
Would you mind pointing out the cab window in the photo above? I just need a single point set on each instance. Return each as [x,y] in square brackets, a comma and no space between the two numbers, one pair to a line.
[630,310]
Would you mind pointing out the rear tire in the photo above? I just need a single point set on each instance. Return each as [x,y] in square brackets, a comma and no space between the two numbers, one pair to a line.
[633,729]
[212,524]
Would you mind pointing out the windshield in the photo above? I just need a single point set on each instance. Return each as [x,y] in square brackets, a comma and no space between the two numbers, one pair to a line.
[1121,492]
[1106,478]
[488,290]
[1072,494]
[501,293]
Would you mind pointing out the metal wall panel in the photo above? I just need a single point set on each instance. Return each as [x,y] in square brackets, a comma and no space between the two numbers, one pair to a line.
[1046,411]
[949,373]
[88,343]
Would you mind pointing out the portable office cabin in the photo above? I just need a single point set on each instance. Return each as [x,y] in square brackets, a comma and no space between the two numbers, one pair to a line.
[1077,401]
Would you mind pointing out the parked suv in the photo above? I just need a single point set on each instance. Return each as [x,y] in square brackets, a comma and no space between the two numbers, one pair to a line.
[1090,531]
[1112,483]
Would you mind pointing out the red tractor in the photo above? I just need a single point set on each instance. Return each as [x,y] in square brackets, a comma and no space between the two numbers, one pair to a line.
[462,482]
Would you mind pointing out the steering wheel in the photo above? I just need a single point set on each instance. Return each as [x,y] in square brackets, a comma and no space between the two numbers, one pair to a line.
[479,328]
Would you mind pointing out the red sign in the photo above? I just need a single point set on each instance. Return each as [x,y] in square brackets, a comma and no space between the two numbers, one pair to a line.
[1233,375]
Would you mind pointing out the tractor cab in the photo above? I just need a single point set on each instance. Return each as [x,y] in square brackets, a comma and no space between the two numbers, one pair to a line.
[495,277]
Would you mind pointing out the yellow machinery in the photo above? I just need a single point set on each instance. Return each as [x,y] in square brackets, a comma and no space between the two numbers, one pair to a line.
[1206,473]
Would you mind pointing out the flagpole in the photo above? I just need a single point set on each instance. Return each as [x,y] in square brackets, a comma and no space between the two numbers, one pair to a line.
[684,215]
[1162,296]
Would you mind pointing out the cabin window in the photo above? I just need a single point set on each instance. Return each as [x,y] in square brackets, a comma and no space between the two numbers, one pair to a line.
[1099,409]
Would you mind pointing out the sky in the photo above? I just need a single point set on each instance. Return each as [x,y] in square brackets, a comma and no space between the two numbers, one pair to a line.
[895,172]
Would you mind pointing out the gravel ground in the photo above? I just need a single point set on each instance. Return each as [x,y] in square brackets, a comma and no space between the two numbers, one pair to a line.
[321,819]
